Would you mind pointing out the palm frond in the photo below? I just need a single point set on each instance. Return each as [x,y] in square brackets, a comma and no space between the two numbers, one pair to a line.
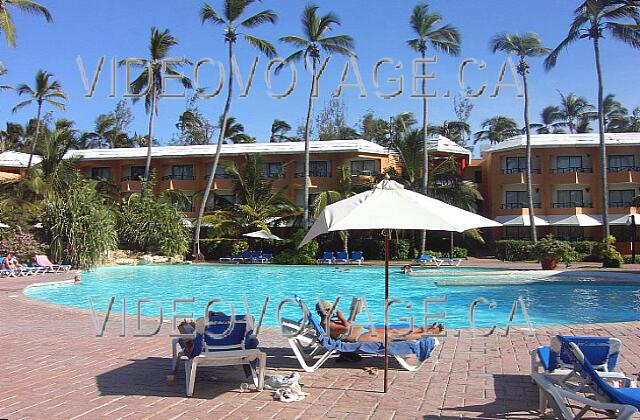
[625,32]
[21,105]
[265,47]
[32,7]
[295,41]
[208,14]
[265,16]
[7,26]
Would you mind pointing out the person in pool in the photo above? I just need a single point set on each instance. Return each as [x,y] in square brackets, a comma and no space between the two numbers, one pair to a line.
[406,269]
[339,325]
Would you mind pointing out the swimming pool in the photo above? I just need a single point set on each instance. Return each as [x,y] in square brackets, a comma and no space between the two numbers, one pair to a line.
[582,300]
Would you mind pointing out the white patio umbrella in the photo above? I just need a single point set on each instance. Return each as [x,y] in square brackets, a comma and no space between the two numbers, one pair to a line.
[390,206]
[263,234]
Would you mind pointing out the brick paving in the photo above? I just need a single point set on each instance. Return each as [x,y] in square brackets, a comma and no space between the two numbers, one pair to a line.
[53,366]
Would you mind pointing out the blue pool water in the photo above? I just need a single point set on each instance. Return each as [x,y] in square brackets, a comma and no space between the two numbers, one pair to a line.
[547,303]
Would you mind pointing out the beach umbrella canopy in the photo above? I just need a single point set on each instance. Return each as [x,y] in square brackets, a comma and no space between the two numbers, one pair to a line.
[390,206]
[263,234]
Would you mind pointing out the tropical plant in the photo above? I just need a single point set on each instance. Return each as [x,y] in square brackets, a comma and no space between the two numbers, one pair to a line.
[81,226]
[111,129]
[615,115]
[550,121]
[497,129]
[316,39]
[44,91]
[524,46]
[575,111]
[279,130]
[3,71]
[633,123]
[234,131]
[233,18]
[151,223]
[608,254]
[550,250]
[22,244]
[150,81]
[593,19]
[457,131]
[195,128]
[325,198]
[27,6]
[446,39]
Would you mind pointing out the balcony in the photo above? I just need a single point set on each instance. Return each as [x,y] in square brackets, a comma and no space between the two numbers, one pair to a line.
[178,178]
[364,173]
[619,204]
[137,178]
[572,169]
[572,205]
[519,206]
[519,171]
[617,169]
[222,176]
[276,175]
[314,174]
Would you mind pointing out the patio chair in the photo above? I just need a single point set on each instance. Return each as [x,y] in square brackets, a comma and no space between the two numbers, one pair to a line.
[327,258]
[341,257]
[238,347]
[602,391]
[43,262]
[266,258]
[5,272]
[245,255]
[429,260]
[357,257]
[313,341]
[551,394]
[555,362]
[452,262]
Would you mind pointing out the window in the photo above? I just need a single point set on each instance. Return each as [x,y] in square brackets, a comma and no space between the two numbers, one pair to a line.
[515,164]
[188,207]
[566,164]
[517,232]
[101,173]
[274,169]
[181,172]
[220,201]
[515,199]
[569,199]
[363,167]
[621,163]
[570,233]
[477,177]
[137,173]
[621,198]
[222,171]
[319,168]
[623,233]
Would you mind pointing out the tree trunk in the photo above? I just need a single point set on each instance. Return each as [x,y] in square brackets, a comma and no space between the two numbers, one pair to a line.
[147,166]
[425,136]
[603,147]
[345,241]
[527,125]
[307,134]
[35,139]
[216,160]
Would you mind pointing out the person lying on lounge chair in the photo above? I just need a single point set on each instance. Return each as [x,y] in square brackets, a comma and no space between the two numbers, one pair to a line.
[11,263]
[339,325]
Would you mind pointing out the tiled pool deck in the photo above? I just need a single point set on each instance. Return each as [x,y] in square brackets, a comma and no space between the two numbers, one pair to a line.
[53,366]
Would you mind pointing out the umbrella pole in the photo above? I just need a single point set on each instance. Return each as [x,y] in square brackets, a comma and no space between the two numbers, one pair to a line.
[387,233]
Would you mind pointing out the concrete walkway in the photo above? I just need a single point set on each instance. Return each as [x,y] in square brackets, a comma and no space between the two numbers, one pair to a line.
[53,366]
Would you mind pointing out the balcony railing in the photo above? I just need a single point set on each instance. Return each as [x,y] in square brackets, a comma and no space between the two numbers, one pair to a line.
[222,176]
[364,173]
[276,175]
[314,174]
[131,178]
[571,169]
[519,205]
[619,204]
[615,169]
[178,177]
[187,209]
[572,205]
[520,170]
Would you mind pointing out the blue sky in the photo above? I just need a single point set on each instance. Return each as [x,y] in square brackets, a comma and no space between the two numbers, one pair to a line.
[92,28]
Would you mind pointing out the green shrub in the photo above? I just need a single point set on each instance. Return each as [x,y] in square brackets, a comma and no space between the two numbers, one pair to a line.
[460,252]
[23,245]
[584,247]
[436,254]
[551,248]
[609,255]
[305,255]
[512,250]
[214,249]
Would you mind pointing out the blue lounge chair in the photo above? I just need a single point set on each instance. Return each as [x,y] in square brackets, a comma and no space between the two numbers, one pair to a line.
[601,389]
[357,257]
[238,347]
[313,341]
[429,260]
[266,258]
[327,258]
[453,262]
[245,255]
[341,257]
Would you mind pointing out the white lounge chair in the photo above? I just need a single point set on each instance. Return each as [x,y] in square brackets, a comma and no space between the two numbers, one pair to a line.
[238,347]
[429,260]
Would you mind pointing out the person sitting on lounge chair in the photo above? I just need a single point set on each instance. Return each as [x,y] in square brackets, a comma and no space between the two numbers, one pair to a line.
[339,325]
[11,262]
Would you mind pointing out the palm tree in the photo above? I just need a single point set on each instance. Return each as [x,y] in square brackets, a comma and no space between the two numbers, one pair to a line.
[497,129]
[615,115]
[550,121]
[279,130]
[456,131]
[574,110]
[445,38]
[634,121]
[27,6]
[3,71]
[232,19]
[592,20]
[234,131]
[44,91]
[315,40]
[149,83]
[524,46]
[325,198]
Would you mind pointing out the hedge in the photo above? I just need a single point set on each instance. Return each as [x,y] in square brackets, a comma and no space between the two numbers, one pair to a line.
[513,250]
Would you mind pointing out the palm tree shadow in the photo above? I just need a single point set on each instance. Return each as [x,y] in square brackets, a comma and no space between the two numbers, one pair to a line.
[516,397]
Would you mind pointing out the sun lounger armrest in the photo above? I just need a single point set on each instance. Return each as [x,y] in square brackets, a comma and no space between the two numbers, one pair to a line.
[195,350]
